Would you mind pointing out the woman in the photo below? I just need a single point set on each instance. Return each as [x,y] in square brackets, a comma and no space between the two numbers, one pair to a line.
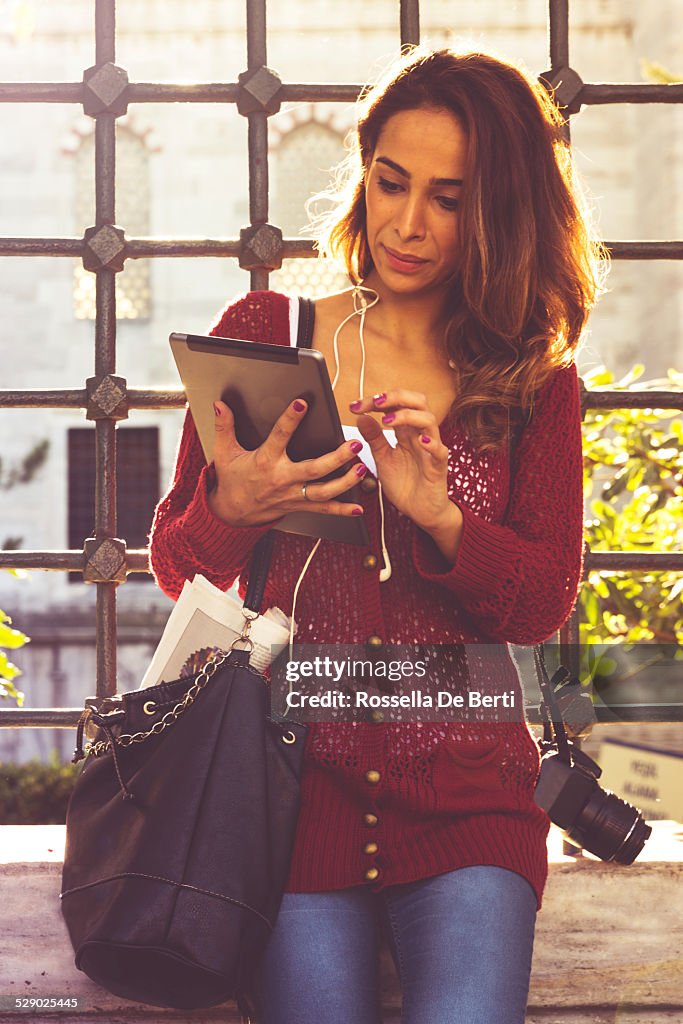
[474,276]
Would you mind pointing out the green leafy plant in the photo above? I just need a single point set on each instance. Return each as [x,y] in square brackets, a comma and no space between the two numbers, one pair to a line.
[10,639]
[22,472]
[633,482]
[35,793]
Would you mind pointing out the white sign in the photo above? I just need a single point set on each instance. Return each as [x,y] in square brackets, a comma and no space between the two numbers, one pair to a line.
[649,779]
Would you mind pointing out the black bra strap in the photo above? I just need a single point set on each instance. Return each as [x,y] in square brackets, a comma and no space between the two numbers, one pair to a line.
[304,335]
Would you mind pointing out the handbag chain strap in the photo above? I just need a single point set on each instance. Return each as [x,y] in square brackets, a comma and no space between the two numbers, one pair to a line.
[127,739]
[258,571]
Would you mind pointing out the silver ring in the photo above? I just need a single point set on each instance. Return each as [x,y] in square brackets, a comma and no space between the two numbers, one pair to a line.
[303,491]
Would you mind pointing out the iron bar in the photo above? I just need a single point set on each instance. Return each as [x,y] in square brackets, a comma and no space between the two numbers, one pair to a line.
[633,714]
[137,560]
[143,248]
[645,250]
[105,358]
[256,34]
[258,168]
[293,248]
[569,639]
[410,23]
[634,561]
[41,247]
[198,92]
[105,169]
[610,400]
[73,398]
[558,34]
[598,94]
[174,398]
[105,322]
[105,479]
[105,31]
[592,94]
[138,398]
[66,718]
[40,718]
[105,619]
[41,92]
[257,137]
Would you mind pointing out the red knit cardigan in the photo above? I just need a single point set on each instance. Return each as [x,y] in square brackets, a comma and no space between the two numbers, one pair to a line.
[439,796]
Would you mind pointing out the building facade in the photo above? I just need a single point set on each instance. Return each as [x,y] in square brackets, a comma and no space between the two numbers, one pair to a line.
[182,171]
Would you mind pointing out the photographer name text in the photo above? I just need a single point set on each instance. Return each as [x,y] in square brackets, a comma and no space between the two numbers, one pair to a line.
[414,699]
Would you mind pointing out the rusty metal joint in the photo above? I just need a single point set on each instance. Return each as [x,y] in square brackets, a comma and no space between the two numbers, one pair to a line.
[104,247]
[105,90]
[104,561]
[565,86]
[261,247]
[259,90]
[107,397]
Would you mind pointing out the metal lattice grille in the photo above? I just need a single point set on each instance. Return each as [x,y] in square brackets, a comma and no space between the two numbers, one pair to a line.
[105,95]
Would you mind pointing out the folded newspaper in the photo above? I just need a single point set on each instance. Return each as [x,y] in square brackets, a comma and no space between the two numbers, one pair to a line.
[206,620]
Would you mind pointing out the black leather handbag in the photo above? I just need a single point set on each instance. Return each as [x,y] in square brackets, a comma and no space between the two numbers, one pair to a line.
[180,831]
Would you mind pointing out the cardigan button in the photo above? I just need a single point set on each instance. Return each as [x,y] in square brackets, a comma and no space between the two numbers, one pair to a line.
[376,716]
[374,641]
[371,874]
[373,776]
[368,484]
[370,848]
[370,819]
[369,562]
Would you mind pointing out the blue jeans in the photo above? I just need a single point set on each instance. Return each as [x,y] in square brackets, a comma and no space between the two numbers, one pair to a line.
[461,941]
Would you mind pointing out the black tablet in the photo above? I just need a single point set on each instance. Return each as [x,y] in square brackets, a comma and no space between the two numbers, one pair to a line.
[258,382]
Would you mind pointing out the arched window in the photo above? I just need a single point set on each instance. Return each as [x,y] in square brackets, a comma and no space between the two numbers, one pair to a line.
[301,167]
[133,298]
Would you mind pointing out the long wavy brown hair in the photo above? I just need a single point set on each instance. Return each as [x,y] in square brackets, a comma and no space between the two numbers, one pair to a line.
[529,271]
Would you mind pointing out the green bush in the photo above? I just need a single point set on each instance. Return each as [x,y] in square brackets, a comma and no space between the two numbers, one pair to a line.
[35,793]
[633,480]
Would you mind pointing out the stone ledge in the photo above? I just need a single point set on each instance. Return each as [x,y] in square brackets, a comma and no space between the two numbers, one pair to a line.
[609,942]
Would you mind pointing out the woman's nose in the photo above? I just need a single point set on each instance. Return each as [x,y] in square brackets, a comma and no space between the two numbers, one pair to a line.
[411,219]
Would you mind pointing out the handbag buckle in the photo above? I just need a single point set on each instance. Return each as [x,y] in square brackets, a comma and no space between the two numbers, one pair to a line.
[249,616]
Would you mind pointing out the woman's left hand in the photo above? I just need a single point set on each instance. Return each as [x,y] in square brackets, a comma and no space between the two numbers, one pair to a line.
[414,474]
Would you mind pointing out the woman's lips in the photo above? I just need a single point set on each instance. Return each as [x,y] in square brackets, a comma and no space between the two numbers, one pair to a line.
[403,262]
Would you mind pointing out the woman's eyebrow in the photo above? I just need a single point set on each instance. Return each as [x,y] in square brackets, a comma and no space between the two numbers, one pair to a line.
[406,174]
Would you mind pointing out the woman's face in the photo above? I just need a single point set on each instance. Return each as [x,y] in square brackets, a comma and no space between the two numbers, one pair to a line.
[412,188]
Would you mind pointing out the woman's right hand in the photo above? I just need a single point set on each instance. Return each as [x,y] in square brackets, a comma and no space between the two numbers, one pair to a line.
[257,487]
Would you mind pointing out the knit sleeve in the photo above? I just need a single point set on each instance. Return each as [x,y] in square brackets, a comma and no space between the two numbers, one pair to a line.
[519,581]
[186,537]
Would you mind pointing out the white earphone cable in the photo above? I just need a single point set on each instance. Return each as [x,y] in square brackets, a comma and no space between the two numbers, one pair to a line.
[361,306]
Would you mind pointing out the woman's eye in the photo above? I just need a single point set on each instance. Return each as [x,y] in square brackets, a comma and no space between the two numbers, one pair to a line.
[449,203]
[391,187]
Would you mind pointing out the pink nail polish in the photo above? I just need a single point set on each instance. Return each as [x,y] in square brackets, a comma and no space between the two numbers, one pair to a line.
[425,439]
[355,405]
[378,399]
[216,410]
[389,418]
[357,512]
[299,406]
[356,446]
[361,470]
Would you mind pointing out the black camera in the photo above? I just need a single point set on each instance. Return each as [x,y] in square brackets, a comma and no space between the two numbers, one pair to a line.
[591,817]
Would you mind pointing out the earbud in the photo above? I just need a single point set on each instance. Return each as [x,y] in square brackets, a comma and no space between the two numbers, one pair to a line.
[385,573]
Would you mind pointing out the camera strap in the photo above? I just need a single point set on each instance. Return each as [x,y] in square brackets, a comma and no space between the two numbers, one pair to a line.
[554,731]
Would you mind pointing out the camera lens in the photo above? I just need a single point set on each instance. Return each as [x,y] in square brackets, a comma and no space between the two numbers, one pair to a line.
[610,828]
